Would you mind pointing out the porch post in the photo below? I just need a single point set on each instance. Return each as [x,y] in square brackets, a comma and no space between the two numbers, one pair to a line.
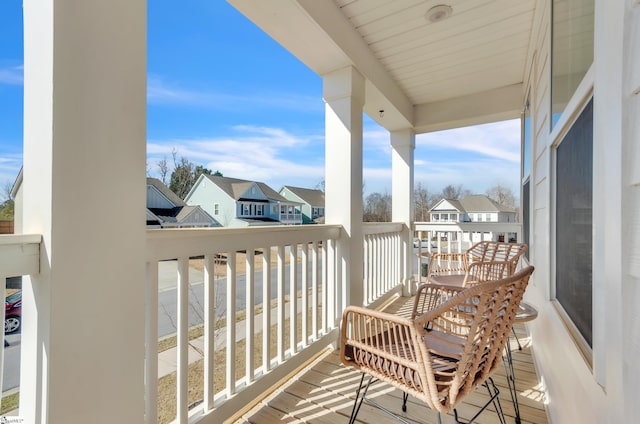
[84,191]
[343,92]
[403,144]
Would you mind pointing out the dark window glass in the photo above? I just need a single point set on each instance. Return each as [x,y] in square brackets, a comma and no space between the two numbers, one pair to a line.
[574,205]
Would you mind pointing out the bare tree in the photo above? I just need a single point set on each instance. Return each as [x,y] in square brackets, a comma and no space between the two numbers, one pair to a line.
[377,208]
[502,194]
[455,192]
[423,202]
[164,170]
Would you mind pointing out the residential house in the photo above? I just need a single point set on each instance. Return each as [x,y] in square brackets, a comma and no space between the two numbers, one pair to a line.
[166,210]
[568,68]
[312,201]
[241,203]
[474,208]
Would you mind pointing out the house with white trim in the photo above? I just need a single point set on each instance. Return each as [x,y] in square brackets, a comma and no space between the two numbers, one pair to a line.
[474,208]
[312,201]
[234,202]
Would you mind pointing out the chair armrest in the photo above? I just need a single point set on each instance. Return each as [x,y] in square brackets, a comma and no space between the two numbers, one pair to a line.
[367,334]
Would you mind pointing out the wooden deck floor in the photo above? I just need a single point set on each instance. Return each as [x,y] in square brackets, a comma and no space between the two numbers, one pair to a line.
[324,392]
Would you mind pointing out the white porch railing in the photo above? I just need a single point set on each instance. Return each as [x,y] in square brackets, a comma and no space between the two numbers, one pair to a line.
[455,237]
[19,255]
[382,260]
[297,304]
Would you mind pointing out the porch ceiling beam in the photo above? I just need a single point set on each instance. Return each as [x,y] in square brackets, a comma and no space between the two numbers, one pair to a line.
[319,35]
[479,108]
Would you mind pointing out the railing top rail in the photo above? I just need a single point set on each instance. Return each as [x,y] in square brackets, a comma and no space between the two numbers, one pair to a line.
[7,239]
[369,228]
[167,243]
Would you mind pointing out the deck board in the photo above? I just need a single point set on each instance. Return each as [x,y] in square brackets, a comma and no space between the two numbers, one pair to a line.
[324,392]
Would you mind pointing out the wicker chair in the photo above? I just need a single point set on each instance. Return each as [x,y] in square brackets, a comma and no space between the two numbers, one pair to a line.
[452,344]
[460,265]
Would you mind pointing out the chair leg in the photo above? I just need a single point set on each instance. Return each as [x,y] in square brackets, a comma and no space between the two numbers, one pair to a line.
[513,330]
[405,396]
[493,398]
[357,403]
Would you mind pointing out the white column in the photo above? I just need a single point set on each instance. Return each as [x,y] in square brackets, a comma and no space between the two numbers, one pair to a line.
[84,191]
[403,144]
[343,92]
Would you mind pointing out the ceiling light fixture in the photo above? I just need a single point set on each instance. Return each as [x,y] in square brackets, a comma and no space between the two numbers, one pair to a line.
[439,13]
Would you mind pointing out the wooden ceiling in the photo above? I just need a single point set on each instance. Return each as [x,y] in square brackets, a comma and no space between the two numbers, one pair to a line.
[430,75]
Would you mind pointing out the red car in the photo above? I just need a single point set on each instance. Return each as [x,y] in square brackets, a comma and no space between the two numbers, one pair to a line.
[12,312]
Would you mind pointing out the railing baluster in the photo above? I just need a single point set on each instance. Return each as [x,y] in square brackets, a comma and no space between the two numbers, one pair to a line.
[183,340]
[231,323]
[209,330]
[314,290]
[266,309]
[249,316]
[305,292]
[293,298]
[281,310]
[151,344]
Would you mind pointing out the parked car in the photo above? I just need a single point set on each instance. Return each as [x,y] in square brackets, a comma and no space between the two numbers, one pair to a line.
[13,312]
[423,243]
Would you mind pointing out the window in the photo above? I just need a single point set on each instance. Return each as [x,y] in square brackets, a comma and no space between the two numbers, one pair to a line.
[525,171]
[573,214]
[246,209]
[216,208]
[314,212]
[259,210]
[479,217]
[487,217]
[571,50]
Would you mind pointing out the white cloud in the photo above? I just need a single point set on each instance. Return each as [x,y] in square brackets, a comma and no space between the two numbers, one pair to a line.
[270,155]
[12,76]
[160,92]
[498,140]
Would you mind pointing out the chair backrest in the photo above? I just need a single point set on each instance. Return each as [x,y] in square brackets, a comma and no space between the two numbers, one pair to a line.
[489,251]
[463,338]
[478,272]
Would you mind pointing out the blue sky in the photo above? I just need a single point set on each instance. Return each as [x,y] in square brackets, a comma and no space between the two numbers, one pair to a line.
[226,96]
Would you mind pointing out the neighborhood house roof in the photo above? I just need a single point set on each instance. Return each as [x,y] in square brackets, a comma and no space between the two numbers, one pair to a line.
[313,197]
[237,188]
[166,192]
[475,203]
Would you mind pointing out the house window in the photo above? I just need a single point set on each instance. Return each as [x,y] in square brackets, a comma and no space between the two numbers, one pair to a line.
[260,210]
[216,208]
[314,212]
[574,224]
[526,147]
[487,217]
[479,217]
[571,50]
[246,209]
[283,209]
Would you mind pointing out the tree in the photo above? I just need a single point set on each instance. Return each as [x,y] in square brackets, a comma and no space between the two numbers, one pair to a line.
[377,208]
[454,192]
[164,170]
[422,202]
[185,174]
[502,195]
[7,205]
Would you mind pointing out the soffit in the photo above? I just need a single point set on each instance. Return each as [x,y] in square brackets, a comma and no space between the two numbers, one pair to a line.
[413,67]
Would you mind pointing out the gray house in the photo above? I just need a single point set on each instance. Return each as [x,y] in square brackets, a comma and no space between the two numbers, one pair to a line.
[166,210]
[312,202]
[241,203]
